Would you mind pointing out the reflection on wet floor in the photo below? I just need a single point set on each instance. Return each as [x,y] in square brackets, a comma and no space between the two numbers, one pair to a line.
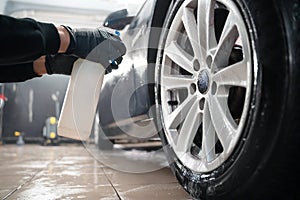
[83,172]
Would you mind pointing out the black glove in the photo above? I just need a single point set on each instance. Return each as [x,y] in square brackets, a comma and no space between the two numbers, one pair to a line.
[96,45]
[113,65]
[60,64]
[63,64]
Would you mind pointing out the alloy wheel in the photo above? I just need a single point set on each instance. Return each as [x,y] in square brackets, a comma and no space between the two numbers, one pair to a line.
[205,82]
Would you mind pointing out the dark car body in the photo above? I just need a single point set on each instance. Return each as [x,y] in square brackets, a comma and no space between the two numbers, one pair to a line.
[126,94]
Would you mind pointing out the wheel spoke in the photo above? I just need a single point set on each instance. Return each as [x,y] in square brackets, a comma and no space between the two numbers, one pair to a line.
[227,40]
[233,75]
[206,30]
[176,82]
[180,57]
[189,128]
[222,121]
[190,25]
[178,115]
[208,137]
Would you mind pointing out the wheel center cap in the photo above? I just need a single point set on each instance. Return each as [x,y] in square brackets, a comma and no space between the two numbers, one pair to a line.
[203,81]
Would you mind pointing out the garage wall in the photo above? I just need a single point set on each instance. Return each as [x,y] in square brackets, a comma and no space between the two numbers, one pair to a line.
[30,104]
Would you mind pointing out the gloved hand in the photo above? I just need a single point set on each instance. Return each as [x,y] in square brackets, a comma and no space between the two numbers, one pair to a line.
[60,64]
[96,45]
[63,64]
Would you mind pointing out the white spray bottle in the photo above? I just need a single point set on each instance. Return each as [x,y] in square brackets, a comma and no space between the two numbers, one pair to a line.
[80,103]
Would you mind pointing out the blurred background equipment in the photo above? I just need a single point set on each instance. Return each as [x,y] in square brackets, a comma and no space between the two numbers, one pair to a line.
[19,136]
[50,129]
[2,103]
[30,105]
[50,132]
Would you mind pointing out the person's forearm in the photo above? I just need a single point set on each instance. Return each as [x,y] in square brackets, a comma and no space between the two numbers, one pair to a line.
[39,66]
[64,39]
[25,40]
[17,73]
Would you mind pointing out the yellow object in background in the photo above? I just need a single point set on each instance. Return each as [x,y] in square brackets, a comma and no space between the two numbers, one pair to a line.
[52,120]
[17,133]
[52,135]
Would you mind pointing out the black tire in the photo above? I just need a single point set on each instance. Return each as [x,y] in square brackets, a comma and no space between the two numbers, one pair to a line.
[264,165]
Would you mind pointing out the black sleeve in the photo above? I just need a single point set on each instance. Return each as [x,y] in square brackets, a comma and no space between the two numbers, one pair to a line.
[25,40]
[17,73]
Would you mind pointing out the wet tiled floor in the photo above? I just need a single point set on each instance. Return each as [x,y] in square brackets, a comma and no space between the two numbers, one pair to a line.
[73,171]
